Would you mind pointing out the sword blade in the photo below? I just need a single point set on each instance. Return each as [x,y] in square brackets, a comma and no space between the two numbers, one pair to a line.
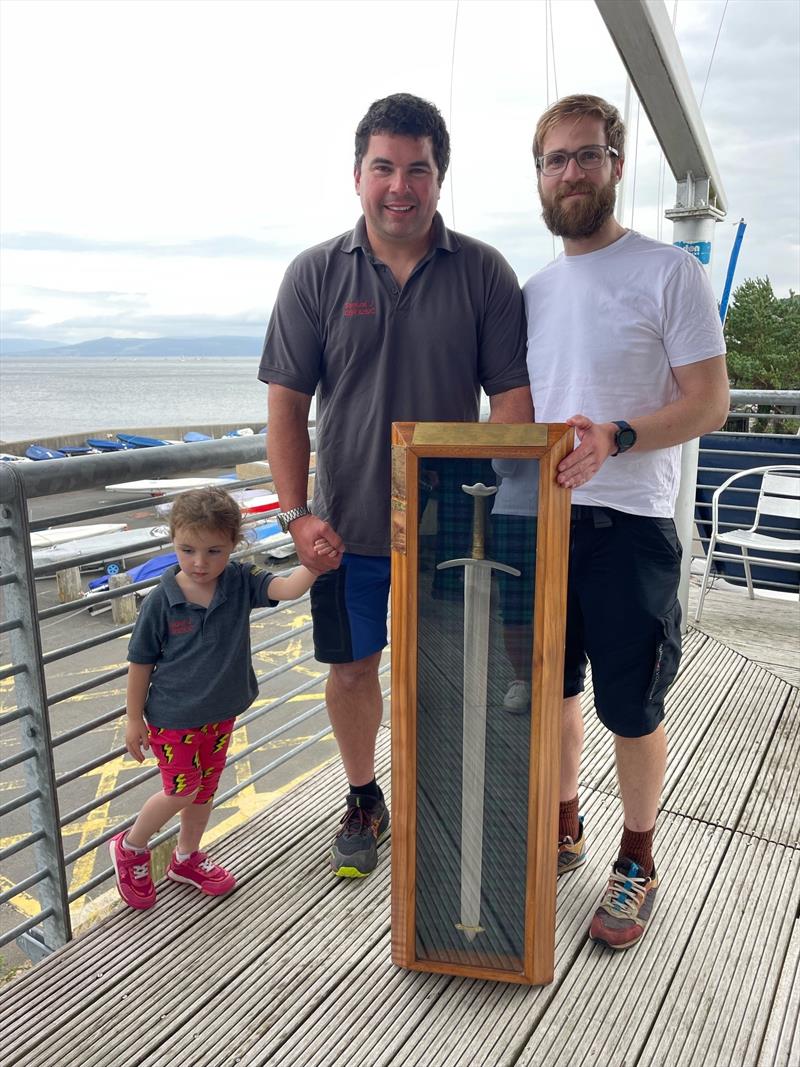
[477,597]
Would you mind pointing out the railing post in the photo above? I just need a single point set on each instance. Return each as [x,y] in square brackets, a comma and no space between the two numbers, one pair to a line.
[19,598]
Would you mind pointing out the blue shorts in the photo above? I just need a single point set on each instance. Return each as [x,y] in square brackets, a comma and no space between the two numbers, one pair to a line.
[349,608]
[623,613]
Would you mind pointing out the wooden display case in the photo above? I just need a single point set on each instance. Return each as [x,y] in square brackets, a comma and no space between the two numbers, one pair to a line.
[480,537]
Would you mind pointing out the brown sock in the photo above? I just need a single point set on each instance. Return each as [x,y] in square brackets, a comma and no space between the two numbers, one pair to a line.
[638,847]
[568,825]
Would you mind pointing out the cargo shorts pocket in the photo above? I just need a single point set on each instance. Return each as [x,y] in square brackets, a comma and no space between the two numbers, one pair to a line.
[667,655]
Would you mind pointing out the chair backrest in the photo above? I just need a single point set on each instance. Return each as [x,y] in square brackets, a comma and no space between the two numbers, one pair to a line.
[780,495]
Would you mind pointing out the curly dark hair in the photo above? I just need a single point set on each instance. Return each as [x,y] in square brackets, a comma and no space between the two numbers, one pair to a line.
[209,508]
[404,115]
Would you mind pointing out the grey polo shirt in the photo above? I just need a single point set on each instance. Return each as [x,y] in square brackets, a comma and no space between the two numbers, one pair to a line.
[375,354]
[204,671]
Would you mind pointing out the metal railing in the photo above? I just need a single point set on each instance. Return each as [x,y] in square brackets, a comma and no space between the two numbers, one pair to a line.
[58,767]
[733,450]
[56,788]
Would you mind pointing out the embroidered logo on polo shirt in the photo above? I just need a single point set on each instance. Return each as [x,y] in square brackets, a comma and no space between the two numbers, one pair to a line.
[180,626]
[358,307]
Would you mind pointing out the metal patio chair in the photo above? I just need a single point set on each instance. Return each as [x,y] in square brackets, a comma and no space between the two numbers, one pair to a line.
[779,496]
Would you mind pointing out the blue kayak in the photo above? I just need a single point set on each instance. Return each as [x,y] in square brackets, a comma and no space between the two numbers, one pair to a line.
[40,452]
[135,440]
[193,435]
[104,444]
[77,450]
[151,568]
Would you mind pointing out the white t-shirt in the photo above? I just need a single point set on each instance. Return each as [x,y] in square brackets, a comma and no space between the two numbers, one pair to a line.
[604,331]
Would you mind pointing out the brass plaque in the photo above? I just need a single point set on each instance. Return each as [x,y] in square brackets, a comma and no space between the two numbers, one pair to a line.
[480,433]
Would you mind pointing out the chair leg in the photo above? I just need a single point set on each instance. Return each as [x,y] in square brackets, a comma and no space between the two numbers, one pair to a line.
[706,573]
[747,574]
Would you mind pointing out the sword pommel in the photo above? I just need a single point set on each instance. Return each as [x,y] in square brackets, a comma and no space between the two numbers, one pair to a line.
[479,492]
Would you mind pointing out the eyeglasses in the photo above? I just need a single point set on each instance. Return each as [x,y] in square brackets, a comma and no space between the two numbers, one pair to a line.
[590,157]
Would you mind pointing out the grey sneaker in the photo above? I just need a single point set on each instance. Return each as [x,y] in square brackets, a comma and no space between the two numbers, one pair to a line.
[572,854]
[354,853]
[626,907]
[518,698]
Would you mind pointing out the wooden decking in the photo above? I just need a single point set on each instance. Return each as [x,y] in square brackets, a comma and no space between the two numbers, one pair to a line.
[294,967]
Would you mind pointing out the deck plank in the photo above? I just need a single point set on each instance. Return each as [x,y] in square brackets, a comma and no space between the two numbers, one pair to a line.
[772,809]
[294,968]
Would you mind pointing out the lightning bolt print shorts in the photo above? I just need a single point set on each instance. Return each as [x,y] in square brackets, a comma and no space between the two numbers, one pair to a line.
[192,760]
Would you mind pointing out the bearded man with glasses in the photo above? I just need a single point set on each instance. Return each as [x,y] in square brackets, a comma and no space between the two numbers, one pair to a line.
[625,344]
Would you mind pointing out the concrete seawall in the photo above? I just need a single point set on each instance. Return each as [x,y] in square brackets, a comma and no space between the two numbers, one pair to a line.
[174,433]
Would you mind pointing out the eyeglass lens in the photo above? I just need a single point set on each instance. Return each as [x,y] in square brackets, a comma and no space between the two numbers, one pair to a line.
[590,157]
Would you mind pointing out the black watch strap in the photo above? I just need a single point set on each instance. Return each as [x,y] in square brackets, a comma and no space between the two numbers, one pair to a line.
[624,438]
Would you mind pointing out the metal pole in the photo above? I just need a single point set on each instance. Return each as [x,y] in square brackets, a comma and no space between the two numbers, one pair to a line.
[19,598]
[694,218]
[726,292]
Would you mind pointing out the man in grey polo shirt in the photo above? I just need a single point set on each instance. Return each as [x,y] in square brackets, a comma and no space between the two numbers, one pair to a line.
[399,320]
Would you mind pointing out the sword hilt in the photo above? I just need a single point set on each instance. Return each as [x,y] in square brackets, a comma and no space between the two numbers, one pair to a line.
[479,492]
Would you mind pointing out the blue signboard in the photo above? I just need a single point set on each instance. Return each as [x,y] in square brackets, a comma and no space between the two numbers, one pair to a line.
[699,249]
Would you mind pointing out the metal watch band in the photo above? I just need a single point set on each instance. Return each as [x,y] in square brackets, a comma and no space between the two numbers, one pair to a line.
[285,518]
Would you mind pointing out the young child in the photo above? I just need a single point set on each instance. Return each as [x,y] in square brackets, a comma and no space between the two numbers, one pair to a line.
[190,675]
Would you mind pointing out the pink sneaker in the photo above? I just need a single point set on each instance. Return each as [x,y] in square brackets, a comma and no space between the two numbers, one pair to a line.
[133,874]
[200,871]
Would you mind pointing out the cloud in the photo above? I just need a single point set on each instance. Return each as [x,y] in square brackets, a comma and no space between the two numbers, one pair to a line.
[83,294]
[233,245]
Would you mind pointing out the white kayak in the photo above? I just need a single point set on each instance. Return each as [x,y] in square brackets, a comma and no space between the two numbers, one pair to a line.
[250,501]
[59,534]
[116,544]
[158,486]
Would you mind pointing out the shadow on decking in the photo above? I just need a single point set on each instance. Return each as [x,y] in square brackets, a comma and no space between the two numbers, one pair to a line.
[294,968]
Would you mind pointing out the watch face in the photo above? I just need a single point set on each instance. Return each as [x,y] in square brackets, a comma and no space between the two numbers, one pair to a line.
[625,438]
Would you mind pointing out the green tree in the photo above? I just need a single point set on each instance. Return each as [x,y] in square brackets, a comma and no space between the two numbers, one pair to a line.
[762,333]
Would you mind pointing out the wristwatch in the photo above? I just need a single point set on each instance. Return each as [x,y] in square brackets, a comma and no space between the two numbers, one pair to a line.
[286,518]
[624,438]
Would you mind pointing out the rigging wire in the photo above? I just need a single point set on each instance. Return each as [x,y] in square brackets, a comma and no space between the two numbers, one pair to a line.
[548,38]
[713,53]
[450,116]
[553,48]
[635,162]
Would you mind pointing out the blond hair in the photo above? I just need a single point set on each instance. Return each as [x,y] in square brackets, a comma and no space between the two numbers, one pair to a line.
[581,105]
[206,509]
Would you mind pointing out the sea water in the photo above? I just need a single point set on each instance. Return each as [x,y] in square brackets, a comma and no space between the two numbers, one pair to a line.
[43,396]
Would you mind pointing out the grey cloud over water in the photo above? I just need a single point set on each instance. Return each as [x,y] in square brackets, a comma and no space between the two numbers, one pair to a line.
[209,247]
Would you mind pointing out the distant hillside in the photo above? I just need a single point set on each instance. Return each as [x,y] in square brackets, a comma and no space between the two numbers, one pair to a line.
[138,346]
[22,346]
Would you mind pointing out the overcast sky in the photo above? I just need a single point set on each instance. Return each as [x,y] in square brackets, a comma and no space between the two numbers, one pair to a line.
[163,160]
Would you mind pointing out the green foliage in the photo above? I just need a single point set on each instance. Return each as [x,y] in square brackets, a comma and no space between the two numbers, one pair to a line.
[762,333]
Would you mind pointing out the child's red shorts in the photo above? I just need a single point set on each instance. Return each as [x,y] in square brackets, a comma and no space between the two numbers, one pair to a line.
[191,759]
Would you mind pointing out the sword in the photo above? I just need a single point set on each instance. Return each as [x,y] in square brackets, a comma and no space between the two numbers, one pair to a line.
[477,597]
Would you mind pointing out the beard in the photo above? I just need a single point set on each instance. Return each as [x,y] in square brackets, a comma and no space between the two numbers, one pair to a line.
[579,218]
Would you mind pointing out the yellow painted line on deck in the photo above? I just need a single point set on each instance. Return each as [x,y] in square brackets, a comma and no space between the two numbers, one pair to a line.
[24,903]
[262,800]
[96,820]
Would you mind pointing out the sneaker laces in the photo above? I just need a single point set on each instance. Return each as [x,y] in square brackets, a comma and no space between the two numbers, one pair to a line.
[355,820]
[625,894]
[206,864]
[140,871]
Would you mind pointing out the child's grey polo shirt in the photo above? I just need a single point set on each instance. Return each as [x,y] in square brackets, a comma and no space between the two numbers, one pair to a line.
[204,671]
